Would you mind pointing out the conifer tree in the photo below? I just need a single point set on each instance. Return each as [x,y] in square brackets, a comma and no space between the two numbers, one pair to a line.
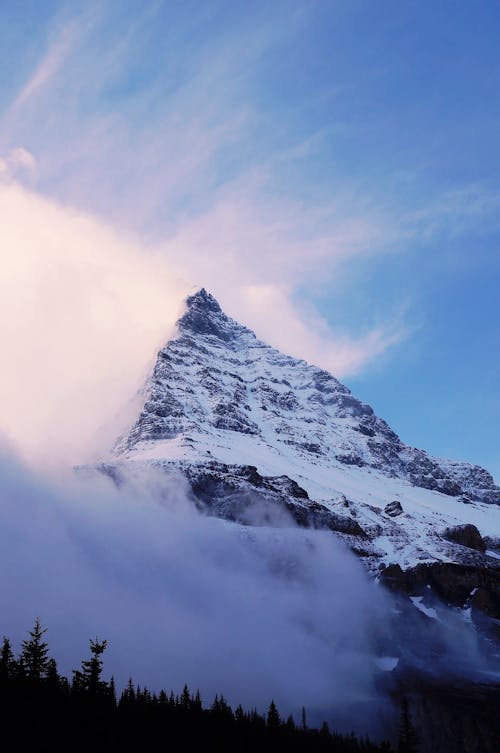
[34,655]
[7,661]
[89,677]
[304,722]
[186,698]
[325,730]
[52,675]
[290,724]
[130,691]
[239,714]
[112,691]
[407,739]
[196,702]
[273,717]
[215,707]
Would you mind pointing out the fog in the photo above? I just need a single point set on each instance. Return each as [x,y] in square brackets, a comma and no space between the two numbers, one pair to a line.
[254,612]
[258,612]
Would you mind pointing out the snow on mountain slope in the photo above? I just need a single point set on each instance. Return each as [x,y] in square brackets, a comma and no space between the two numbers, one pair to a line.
[242,420]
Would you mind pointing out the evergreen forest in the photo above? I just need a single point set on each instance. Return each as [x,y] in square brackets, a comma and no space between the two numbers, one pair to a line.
[41,710]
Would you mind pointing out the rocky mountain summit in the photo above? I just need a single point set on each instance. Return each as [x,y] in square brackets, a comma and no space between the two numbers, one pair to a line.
[260,435]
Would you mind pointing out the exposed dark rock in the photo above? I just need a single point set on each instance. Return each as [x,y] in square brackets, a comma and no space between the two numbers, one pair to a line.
[228,416]
[465,535]
[350,459]
[243,495]
[431,481]
[394,508]
[368,431]
[452,583]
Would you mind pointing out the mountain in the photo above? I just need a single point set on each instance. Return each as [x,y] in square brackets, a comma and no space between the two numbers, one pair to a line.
[259,434]
[266,439]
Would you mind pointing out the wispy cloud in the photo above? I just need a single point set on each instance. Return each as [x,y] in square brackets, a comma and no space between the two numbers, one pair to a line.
[454,212]
[48,68]
[300,331]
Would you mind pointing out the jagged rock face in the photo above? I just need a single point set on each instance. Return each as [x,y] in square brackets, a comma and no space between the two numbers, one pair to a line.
[216,378]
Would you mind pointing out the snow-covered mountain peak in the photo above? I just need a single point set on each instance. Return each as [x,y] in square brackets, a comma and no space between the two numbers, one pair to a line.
[216,381]
[239,419]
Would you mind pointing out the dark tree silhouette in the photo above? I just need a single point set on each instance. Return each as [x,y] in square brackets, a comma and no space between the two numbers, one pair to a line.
[89,677]
[273,718]
[40,710]
[7,662]
[35,653]
[407,739]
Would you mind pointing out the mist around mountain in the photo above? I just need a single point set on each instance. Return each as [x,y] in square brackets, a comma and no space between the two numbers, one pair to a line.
[258,531]
[183,597]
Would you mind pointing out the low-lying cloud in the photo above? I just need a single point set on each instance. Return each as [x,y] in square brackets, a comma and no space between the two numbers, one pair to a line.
[254,612]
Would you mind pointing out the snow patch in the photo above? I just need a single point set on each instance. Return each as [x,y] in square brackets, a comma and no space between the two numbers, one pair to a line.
[428,611]
[387,663]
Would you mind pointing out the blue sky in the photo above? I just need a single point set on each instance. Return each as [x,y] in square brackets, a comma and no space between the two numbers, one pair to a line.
[329,169]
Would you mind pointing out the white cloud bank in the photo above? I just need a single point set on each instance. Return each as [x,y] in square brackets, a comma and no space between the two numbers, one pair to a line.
[83,309]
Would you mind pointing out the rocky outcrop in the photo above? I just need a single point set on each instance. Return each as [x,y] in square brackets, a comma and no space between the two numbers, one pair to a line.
[465,535]
[393,509]
[474,584]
